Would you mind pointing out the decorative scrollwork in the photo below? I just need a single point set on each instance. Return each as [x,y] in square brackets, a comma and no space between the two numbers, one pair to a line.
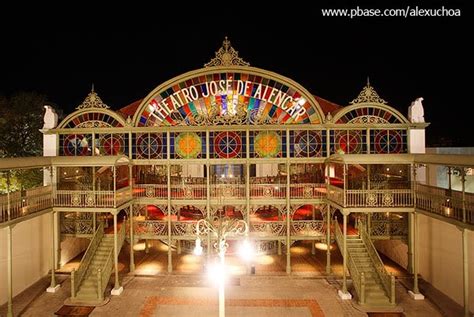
[387,199]
[368,94]
[188,193]
[308,192]
[92,101]
[90,199]
[226,56]
[268,192]
[368,119]
[151,228]
[150,191]
[75,199]
[268,228]
[93,124]
[309,228]
[371,199]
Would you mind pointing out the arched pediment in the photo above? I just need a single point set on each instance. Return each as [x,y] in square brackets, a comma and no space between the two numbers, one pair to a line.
[228,95]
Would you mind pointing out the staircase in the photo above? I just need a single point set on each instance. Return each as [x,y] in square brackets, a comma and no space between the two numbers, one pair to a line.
[89,282]
[373,284]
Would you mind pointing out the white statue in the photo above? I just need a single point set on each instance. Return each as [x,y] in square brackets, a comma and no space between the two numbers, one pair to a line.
[50,118]
[416,112]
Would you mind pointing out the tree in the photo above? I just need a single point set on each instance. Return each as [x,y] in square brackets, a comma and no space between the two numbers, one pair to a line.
[21,118]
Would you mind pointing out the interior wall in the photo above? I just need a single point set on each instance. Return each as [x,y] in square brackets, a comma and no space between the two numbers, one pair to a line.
[395,250]
[71,247]
[440,258]
[31,254]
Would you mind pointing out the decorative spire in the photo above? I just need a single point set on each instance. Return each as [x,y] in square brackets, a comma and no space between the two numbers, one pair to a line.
[368,94]
[92,101]
[226,56]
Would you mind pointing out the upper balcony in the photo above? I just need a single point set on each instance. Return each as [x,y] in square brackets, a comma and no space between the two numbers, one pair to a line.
[368,183]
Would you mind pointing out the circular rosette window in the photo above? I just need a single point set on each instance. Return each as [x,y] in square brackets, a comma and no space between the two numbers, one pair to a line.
[308,144]
[267,144]
[349,142]
[76,145]
[112,144]
[149,146]
[188,145]
[227,144]
[388,142]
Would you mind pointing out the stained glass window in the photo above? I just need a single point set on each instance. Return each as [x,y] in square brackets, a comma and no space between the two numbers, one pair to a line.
[369,115]
[348,141]
[310,143]
[93,120]
[388,141]
[149,145]
[268,144]
[187,145]
[111,144]
[75,144]
[227,144]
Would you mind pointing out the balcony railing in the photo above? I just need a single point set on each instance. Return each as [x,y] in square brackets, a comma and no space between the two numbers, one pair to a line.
[379,198]
[23,203]
[370,198]
[89,198]
[445,202]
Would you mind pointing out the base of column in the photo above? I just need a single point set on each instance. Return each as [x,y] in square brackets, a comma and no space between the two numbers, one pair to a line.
[117,291]
[53,289]
[344,296]
[416,296]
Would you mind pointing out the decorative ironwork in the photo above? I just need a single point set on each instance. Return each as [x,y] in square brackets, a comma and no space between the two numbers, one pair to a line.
[90,199]
[309,228]
[150,191]
[93,124]
[75,199]
[226,56]
[387,199]
[151,228]
[368,94]
[368,119]
[92,101]
[268,228]
[371,199]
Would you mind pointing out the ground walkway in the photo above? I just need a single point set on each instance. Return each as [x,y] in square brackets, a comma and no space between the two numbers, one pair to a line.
[187,292]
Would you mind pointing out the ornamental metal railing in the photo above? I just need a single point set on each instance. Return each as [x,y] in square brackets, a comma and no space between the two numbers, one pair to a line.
[78,275]
[23,203]
[358,279]
[444,202]
[103,273]
[382,272]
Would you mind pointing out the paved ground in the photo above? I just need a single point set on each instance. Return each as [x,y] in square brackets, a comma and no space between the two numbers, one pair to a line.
[189,295]
[306,292]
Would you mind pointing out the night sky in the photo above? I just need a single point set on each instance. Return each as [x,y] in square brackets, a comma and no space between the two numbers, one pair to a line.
[129,54]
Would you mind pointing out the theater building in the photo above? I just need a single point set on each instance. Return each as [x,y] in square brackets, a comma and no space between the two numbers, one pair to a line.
[234,142]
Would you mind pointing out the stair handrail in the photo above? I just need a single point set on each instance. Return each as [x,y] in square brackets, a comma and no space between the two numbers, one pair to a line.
[357,279]
[106,269]
[375,258]
[86,259]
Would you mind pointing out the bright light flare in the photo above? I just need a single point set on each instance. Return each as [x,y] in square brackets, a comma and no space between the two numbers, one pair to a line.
[217,273]
[198,248]
[322,246]
[246,251]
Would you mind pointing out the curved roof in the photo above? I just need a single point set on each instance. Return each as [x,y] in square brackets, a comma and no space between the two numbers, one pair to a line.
[252,88]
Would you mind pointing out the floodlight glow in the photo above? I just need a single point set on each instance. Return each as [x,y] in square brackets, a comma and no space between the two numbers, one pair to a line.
[216,273]
[198,247]
[246,251]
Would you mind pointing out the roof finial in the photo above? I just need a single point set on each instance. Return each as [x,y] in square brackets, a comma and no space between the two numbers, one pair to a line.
[92,101]
[368,95]
[226,56]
